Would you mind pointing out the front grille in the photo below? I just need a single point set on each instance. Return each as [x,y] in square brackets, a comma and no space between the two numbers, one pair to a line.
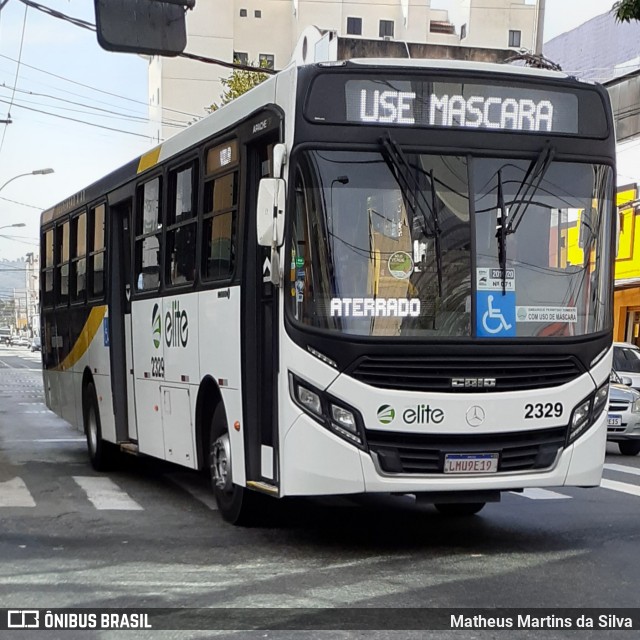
[424,453]
[618,406]
[421,373]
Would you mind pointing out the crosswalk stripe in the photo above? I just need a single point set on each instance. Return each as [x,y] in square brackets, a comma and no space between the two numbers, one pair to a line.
[623,469]
[105,494]
[536,493]
[623,487]
[185,481]
[14,493]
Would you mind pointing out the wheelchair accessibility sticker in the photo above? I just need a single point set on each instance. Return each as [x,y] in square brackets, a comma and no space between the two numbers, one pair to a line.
[496,314]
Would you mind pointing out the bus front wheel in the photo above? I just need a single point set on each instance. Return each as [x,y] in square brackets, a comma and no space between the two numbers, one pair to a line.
[458,509]
[100,452]
[236,504]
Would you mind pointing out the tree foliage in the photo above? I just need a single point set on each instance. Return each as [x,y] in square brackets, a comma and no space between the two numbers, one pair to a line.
[237,83]
[627,10]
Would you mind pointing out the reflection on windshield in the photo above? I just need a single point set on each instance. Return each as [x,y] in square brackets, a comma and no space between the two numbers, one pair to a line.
[382,246]
[364,258]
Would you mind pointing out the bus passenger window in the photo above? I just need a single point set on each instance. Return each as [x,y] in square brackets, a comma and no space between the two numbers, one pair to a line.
[96,251]
[221,204]
[148,236]
[48,265]
[180,259]
[79,270]
[62,242]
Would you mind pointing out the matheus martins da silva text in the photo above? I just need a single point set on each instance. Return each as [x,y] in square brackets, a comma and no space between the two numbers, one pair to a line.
[604,621]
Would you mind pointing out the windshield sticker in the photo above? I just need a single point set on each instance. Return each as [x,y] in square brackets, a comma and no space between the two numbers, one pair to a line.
[375,307]
[496,314]
[299,262]
[400,265]
[547,314]
[491,279]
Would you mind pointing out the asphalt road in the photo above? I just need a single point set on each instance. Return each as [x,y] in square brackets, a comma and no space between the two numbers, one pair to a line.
[148,535]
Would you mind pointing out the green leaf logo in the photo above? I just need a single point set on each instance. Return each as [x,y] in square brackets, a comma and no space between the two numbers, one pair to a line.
[155,325]
[386,414]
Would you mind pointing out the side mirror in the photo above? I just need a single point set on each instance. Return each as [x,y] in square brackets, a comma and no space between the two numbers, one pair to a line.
[270,214]
[627,381]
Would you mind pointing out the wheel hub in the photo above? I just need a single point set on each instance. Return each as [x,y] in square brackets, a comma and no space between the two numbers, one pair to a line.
[221,463]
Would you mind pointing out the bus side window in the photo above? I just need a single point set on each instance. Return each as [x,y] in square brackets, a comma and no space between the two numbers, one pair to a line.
[79,261]
[180,258]
[62,255]
[221,203]
[148,236]
[96,251]
[48,268]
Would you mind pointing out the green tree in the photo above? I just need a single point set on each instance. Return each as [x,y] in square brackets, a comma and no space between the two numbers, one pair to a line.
[239,82]
[627,10]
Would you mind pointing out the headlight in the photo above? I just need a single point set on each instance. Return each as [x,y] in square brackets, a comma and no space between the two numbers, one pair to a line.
[309,400]
[635,406]
[587,412]
[600,399]
[344,418]
[330,412]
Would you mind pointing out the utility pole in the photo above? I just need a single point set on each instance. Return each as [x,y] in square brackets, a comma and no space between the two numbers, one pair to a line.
[540,27]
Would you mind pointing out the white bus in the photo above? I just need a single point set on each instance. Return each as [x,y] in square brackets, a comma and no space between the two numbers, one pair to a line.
[364,276]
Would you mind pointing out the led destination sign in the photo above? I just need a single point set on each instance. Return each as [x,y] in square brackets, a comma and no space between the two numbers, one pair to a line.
[449,104]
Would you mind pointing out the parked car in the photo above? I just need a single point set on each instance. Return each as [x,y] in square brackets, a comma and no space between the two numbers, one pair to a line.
[626,362]
[20,341]
[623,415]
[36,344]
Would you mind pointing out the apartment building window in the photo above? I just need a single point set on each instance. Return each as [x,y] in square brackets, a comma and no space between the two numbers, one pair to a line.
[267,60]
[386,28]
[243,13]
[354,26]
[463,32]
[257,13]
[514,38]
[240,57]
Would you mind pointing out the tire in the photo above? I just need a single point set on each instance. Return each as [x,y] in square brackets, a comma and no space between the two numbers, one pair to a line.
[459,509]
[629,447]
[236,504]
[101,453]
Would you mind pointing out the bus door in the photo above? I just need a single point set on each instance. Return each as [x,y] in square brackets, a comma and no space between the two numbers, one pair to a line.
[120,333]
[260,336]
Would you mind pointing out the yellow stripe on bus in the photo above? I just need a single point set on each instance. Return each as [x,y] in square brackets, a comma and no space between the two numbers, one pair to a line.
[91,327]
[149,159]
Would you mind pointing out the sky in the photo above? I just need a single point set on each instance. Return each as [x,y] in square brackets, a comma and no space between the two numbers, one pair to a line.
[82,111]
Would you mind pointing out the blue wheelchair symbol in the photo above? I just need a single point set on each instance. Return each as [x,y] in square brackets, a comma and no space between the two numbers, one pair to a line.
[495,314]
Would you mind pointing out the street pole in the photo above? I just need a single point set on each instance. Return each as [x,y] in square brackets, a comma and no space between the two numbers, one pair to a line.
[540,27]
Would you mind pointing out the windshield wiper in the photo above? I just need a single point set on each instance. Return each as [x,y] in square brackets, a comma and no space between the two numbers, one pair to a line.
[529,187]
[501,233]
[509,222]
[414,196]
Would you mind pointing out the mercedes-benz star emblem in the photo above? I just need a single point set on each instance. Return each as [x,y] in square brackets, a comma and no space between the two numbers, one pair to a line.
[475,416]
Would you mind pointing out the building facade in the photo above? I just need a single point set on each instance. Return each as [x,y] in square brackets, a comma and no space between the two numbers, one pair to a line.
[267,31]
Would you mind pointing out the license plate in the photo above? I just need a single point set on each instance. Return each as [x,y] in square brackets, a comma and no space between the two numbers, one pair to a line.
[471,463]
[614,421]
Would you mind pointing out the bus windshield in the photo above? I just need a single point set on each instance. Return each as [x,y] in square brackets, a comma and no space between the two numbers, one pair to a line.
[402,245]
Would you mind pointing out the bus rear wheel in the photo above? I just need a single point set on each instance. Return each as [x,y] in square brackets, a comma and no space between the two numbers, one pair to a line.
[236,504]
[101,453]
[459,509]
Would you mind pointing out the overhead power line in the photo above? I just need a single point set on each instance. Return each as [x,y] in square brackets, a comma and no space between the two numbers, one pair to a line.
[191,56]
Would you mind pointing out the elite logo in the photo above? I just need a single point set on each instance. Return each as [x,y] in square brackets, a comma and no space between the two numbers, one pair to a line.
[176,326]
[155,326]
[386,414]
[420,414]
